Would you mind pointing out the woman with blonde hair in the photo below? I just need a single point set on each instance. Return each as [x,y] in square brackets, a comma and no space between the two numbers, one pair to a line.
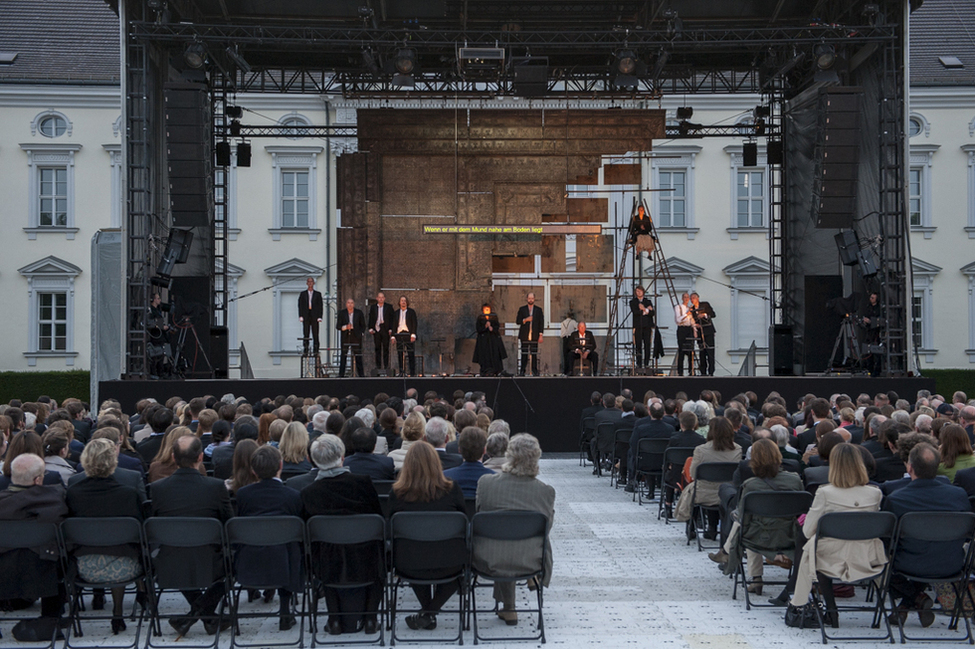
[163,464]
[294,449]
[848,491]
[422,487]
[414,428]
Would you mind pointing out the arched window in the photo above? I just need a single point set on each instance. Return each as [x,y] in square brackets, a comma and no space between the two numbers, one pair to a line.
[290,122]
[51,124]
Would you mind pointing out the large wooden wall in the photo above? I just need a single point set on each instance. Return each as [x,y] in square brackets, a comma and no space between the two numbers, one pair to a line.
[416,167]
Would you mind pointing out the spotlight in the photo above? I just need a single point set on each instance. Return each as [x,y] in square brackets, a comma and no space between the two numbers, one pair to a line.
[238,60]
[244,154]
[825,56]
[235,127]
[405,61]
[177,251]
[626,61]
[627,69]
[685,112]
[195,55]
[762,111]
[234,112]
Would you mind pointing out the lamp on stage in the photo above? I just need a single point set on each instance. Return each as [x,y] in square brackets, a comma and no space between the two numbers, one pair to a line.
[195,55]
[627,68]
[405,65]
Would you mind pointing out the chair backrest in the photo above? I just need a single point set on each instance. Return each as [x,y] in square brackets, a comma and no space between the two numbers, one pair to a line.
[508,525]
[605,428]
[588,424]
[716,471]
[383,487]
[936,526]
[265,530]
[776,504]
[471,505]
[677,455]
[856,526]
[183,531]
[345,530]
[101,532]
[27,534]
[429,526]
[650,453]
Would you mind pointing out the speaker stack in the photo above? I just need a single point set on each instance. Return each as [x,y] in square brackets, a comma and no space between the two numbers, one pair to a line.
[838,157]
[188,154]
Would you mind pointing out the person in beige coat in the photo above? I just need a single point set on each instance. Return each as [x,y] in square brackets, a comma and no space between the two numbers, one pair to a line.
[720,447]
[414,428]
[847,491]
[516,488]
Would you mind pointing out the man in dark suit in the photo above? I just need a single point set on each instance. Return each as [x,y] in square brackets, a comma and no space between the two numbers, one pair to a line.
[223,456]
[928,558]
[628,420]
[159,420]
[310,313]
[601,443]
[531,324]
[436,435]
[187,493]
[472,443]
[364,462]
[405,336]
[703,316]
[652,427]
[582,345]
[270,497]
[352,324]
[381,316]
[642,310]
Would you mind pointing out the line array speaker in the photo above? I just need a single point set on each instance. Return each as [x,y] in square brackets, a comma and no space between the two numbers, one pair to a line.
[839,157]
[188,154]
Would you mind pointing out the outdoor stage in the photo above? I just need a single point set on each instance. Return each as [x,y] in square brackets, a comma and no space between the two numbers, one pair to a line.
[547,407]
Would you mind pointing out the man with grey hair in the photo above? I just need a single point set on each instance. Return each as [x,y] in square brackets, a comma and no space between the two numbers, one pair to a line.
[368,418]
[501,426]
[436,434]
[337,491]
[923,424]
[318,424]
[871,434]
[516,488]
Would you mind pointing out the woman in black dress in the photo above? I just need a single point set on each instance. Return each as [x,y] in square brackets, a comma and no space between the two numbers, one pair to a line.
[489,351]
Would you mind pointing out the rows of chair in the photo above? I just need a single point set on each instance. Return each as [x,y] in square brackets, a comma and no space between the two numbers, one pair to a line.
[403,542]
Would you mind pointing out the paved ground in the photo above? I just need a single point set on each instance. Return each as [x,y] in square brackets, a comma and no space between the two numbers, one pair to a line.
[622,579]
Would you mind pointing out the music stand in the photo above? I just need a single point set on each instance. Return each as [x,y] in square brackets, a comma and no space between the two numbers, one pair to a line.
[404,344]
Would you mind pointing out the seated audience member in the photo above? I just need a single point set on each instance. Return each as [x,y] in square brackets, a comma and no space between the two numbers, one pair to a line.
[956,452]
[364,461]
[163,465]
[765,465]
[294,449]
[126,477]
[32,573]
[99,494]
[268,496]
[495,449]
[56,443]
[929,558]
[719,447]
[437,433]
[422,487]
[187,493]
[204,428]
[337,491]
[414,429]
[515,488]
[160,419]
[223,456]
[219,436]
[848,560]
[472,442]
[243,473]
[26,442]
[390,425]
[652,427]
[819,473]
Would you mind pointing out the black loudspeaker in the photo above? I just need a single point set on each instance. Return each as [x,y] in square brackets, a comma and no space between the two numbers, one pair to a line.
[188,153]
[839,157]
[220,352]
[773,152]
[531,79]
[780,350]
[846,242]
[749,154]
[822,325]
[223,154]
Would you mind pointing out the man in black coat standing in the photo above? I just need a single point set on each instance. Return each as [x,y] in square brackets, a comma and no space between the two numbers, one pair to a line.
[310,312]
[703,316]
[381,327]
[531,324]
[352,324]
[642,310]
[187,493]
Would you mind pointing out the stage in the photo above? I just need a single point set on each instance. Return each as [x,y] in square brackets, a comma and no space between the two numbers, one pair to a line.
[547,407]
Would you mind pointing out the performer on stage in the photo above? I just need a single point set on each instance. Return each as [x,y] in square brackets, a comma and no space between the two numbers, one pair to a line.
[352,324]
[531,323]
[641,231]
[489,350]
[405,339]
[643,320]
[310,312]
[872,323]
[685,334]
[381,316]
[703,316]
[582,345]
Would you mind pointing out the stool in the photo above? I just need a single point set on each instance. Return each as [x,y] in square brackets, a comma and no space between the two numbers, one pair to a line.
[579,366]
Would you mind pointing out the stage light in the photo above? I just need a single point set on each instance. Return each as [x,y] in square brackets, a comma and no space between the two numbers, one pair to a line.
[238,60]
[405,61]
[195,55]
[685,112]
[762,111]
[234,112]
[825,56]
[244,154]
[626,61]
[234,127]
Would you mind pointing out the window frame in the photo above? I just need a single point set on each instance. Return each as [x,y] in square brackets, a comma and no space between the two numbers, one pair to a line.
[47,276]
[921,160]
[40,118]
[290,159]
[922,275]
[49,156]
[669,158]
[969,150]
[751,275]
[288,281]
[736,159]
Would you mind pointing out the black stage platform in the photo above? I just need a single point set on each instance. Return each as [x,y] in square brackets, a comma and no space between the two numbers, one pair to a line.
[547,407]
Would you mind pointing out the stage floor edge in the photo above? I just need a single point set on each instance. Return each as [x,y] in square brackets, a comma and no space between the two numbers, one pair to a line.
[547,407]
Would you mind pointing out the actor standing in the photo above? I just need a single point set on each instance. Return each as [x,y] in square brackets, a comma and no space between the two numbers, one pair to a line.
[381,316]
[531,323]
[310,311]
[352,324]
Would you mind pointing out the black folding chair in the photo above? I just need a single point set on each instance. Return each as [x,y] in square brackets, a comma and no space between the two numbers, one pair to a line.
[935,527]
[25,536]
[93,533]
[471,505]
[854,526]
[266,532]
[603,444]
[383,487]
[588,430]
[621,445]
[674,459]
[788,505]
[716,472]
[327,534]
[428,541]
[514,528]
[199,548]
[648,463]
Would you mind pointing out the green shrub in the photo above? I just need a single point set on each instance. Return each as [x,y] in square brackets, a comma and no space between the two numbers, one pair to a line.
[950,381]
[27,386]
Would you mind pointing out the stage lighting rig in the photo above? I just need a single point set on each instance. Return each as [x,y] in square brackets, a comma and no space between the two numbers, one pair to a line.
[195,55]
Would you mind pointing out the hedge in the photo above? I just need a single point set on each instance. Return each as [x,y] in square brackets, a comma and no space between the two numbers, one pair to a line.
[27,386]
[950,381]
